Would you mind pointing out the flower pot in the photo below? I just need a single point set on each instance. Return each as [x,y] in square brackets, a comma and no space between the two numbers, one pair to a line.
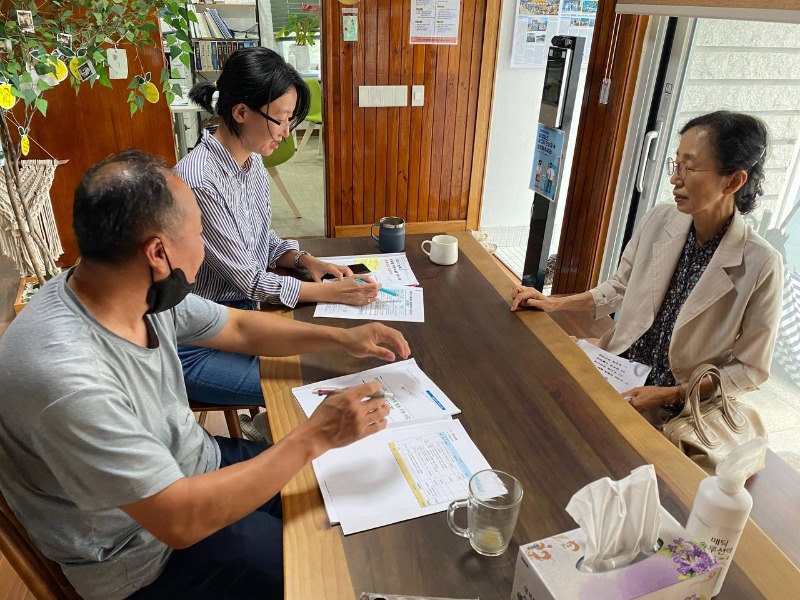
[300,57]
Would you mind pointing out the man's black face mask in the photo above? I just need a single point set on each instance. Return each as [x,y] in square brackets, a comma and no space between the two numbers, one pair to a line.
[169,292]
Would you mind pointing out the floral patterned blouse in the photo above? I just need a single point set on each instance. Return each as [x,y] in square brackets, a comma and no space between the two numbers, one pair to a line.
[652,348]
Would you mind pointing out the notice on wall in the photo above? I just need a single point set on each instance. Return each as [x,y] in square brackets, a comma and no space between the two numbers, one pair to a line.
[435,21]
[537,21]
[547,161]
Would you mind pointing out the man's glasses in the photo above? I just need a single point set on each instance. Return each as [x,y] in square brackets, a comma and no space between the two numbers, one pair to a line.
[682,169]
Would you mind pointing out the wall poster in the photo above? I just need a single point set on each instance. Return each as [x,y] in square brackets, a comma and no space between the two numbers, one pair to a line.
[435,21]
[537,21]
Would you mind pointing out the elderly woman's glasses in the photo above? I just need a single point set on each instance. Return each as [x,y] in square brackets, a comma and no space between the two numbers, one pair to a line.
[682,169]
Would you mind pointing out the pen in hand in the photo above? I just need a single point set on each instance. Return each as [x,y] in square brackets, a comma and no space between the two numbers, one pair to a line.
[329,391]
[390,292]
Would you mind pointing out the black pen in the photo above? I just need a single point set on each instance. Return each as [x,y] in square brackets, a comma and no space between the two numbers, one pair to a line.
[329,391]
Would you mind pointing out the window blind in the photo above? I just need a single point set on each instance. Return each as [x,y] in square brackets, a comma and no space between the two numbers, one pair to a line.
[281,9]
[779,11]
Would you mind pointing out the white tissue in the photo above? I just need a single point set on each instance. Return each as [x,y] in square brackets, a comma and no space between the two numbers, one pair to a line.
[620,518]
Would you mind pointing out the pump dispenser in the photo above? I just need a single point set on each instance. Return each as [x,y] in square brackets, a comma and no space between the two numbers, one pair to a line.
[722,505]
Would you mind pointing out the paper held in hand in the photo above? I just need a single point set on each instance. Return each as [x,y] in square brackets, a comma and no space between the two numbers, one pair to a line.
[621,373]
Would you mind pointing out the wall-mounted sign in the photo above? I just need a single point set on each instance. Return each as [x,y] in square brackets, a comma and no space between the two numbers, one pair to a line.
[435,21]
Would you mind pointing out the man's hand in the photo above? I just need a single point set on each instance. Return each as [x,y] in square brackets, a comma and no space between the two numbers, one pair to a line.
[317,269]
[363,341]
[526,296]
[348,416]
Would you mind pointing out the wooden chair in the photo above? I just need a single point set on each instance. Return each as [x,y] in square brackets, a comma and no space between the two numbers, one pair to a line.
[230,412]
[44,578]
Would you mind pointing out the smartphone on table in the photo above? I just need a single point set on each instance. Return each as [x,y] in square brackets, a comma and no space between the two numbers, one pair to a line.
[357,269]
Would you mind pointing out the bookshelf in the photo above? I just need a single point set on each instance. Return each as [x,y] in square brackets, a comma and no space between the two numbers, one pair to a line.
[222,28]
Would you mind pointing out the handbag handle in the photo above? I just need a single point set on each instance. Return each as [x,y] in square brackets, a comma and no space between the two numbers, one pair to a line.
[735,420]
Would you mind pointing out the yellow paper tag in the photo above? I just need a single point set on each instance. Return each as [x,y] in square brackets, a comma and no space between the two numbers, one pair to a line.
[7,99]
[151,92]
[25,145]
[61,70]
[73,67]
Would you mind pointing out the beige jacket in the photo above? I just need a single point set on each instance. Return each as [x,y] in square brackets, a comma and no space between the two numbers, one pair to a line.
[731,317]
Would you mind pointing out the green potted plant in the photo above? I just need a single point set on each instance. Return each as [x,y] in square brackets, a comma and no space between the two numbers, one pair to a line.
[44,44]
[303,27]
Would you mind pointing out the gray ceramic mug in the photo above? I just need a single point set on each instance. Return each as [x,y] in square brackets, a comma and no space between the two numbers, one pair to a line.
[391,234]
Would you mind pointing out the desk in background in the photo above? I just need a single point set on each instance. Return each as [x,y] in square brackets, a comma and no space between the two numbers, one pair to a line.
[178,110]
[535,407]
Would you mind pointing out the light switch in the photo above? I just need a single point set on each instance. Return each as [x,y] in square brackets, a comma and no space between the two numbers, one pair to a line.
[382,95]
[417,95]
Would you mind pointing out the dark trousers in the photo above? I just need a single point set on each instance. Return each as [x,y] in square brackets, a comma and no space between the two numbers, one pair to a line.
[240,562]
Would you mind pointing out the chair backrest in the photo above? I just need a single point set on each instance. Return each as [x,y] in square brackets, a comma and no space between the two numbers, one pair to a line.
[282,153]
[42,576]
[315,110]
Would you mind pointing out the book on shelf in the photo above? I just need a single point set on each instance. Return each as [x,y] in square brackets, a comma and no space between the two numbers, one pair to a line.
[220,23]
[211,55]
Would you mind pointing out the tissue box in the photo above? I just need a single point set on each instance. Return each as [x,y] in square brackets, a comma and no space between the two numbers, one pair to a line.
[681,570]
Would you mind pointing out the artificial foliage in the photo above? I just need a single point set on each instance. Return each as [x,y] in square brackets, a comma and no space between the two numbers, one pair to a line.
[45,43]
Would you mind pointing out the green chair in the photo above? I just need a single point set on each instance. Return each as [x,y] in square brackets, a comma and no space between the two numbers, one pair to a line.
[314,116]
[283,153]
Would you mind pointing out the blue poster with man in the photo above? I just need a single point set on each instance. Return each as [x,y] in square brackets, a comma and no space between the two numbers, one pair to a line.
[547,161]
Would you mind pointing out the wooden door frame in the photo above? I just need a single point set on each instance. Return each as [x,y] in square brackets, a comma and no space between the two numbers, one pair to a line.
[598,151]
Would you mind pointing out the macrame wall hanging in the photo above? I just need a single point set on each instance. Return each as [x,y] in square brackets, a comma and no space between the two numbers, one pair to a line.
[37,178]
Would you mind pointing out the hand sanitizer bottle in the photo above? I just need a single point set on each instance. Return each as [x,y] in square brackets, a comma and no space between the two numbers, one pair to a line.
[722,505]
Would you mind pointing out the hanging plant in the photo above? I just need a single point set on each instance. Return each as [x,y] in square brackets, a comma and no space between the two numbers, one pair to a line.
[45,43]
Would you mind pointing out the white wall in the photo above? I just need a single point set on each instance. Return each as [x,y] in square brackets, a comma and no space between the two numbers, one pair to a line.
[507,200]
[517,95]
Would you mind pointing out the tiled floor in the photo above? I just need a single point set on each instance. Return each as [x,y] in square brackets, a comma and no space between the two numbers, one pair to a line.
[511,245]
[513,257]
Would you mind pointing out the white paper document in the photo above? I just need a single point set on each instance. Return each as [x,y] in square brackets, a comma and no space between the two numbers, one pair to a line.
[388,269]
[397,474]
[395,304]
[410,393]
[621,373]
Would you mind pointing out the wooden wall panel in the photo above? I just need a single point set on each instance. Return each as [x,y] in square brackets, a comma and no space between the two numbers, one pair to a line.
[412,162]
[598,151]
[92,125]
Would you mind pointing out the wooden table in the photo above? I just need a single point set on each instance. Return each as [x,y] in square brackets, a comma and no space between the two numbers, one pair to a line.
[536,408]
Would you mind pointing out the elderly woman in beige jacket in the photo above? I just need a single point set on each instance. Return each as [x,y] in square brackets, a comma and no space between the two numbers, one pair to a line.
[695,284]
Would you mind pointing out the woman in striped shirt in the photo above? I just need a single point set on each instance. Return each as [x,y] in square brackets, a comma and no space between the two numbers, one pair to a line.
[259,99]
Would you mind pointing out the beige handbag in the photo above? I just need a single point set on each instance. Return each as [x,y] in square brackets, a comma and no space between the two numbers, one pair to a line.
[706,432]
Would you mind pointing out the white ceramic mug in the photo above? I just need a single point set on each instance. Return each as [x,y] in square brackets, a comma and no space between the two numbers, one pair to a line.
[444,249]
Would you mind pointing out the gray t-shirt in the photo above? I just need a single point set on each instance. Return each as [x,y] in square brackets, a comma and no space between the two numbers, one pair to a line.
[90,422]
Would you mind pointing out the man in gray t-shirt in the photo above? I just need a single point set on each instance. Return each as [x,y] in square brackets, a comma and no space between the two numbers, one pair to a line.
[100,457]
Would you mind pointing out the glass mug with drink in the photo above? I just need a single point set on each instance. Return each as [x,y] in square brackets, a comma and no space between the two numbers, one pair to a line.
[492,510]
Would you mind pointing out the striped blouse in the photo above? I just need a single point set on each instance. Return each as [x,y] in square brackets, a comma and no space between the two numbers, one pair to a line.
[240,246]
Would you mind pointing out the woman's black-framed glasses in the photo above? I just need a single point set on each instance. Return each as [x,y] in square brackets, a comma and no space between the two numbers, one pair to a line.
[682,168]
[280,124]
